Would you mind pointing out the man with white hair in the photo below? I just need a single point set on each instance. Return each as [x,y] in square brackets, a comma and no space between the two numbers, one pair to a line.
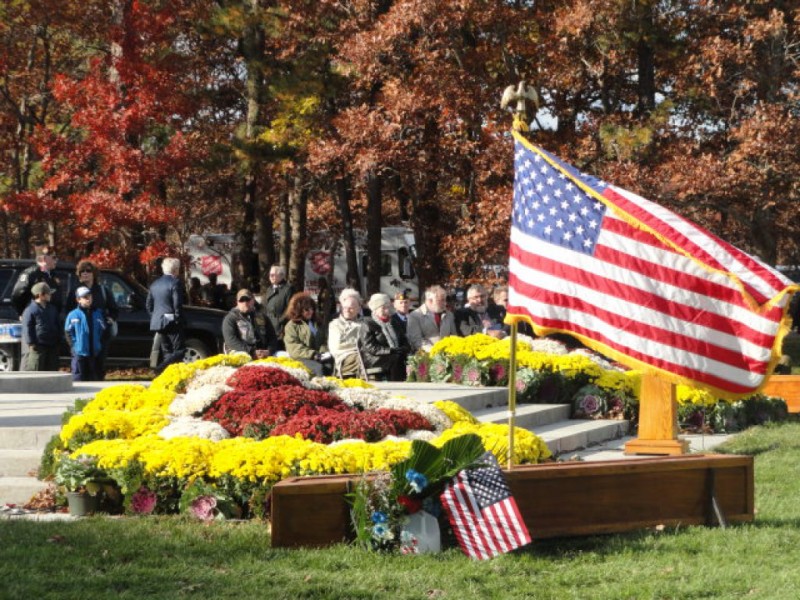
[165,304]
[277,298]
[343,333]
[431,321]
[474,317]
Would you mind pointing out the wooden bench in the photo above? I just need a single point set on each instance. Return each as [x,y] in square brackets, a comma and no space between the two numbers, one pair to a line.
[786,387]
[555,499]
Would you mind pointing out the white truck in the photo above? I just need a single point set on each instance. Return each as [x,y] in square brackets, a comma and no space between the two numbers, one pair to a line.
[212,253]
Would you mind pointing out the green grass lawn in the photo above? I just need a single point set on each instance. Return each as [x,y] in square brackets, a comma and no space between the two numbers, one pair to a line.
[171,557]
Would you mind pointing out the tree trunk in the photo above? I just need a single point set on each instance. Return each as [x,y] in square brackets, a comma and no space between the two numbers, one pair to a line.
[285,242]
[374,225]
[343,194]
[298,209]
[265,245]
[252,48]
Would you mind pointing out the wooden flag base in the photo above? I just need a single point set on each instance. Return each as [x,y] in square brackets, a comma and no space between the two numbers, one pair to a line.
[658,420]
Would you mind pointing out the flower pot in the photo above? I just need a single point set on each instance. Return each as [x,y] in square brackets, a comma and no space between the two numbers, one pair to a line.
[81,503]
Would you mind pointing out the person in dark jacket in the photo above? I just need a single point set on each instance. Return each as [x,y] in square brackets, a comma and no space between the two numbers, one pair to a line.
[21,295]
[402,308]
[474,318]
[276,300]
[165,304]
[379,343]
[246,329]
[40,330]
[102,299]
[85,330]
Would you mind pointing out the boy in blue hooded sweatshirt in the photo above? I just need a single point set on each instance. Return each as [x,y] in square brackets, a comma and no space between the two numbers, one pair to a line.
[84,328]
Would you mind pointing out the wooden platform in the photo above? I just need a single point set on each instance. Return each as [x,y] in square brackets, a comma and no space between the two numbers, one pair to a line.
[555,499]
[786,387]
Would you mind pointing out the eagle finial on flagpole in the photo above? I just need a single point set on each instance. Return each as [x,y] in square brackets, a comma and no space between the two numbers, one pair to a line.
[517,96]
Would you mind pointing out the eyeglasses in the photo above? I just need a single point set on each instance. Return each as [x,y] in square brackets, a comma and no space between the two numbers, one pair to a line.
[244,299]
[82,271]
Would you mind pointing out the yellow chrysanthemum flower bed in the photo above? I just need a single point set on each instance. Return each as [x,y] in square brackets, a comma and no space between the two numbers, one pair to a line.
[129,418]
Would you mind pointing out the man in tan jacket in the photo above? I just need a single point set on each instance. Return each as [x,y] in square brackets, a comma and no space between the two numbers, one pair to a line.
[431,321]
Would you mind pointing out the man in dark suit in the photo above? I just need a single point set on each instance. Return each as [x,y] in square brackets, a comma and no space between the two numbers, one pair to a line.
[164,303]
[402,308]
[277,298]
[473,318]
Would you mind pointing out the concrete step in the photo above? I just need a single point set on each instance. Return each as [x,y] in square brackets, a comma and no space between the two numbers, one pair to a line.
[31,437]
[19,463]
[526,416]
[568,436]
[19,490]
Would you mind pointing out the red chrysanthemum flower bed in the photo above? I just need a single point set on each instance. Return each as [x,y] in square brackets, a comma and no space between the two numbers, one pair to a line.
[328,425]
[260,378]
[315,415]
[256,413]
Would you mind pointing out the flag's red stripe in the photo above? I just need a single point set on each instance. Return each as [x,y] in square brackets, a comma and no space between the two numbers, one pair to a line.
[669,366]
[660,272]
[756,269]
[649,331]
[462,519]
[506,525]
[470,520]
[497,526]
[634,295]
[512,510]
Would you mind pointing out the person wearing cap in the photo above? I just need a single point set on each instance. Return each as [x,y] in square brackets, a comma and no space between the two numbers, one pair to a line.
[40,330]
[21,295]
[430,322]
[245,329]
[402,308]
[85,331]
[474,318]
[165,301]
[382,348]
[343,333]
[102,298]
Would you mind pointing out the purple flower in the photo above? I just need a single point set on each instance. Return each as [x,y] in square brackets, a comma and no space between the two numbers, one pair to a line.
[498,371]
[458,372]
[143,502]
[472,376]
[590,404]
[203,507]
[422,371]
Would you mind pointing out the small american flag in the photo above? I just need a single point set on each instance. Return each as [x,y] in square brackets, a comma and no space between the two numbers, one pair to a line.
[482,512]
[638,282]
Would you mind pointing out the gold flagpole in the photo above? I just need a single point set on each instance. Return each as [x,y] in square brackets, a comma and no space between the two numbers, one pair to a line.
[514,98]
[512,393]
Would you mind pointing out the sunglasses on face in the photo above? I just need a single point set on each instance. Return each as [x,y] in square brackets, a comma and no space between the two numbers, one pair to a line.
[244,299]
[82,271]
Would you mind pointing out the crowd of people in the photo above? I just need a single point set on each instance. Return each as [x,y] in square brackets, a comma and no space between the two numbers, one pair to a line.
[91,320]
[368,340]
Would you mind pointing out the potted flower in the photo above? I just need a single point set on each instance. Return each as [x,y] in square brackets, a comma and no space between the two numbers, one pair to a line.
[82,480]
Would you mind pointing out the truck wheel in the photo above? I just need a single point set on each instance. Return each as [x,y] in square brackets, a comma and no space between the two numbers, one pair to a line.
[196,350]
[7,361]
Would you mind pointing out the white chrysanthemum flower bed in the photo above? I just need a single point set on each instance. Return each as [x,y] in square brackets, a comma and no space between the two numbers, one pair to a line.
[207,386]
[191,427]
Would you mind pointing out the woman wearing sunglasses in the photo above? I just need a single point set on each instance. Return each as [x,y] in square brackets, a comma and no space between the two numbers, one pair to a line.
[102,299]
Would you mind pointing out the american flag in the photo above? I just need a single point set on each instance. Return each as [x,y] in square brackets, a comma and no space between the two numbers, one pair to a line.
[639,283]
[484,515]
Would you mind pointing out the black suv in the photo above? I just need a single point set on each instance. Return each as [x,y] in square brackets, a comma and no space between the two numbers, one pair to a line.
[134,342]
